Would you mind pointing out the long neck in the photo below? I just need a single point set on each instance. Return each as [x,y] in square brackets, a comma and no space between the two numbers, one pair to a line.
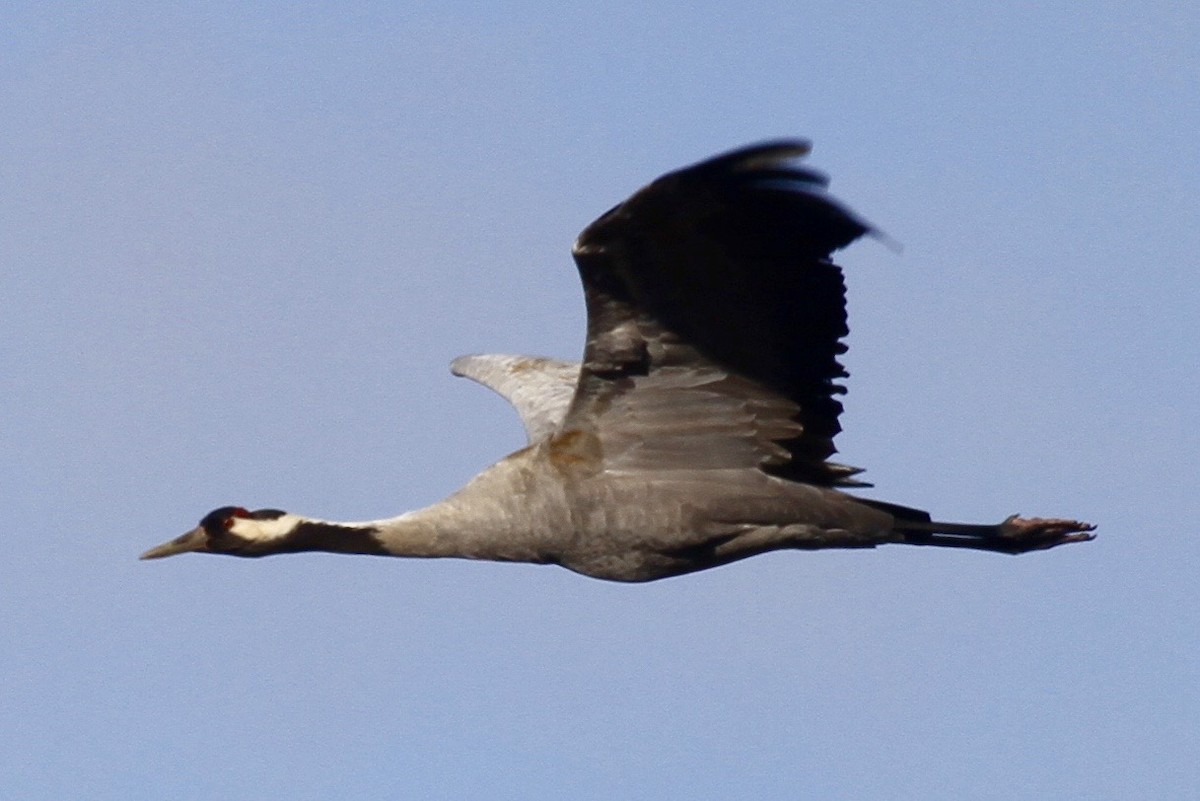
[446,529]
[490,518]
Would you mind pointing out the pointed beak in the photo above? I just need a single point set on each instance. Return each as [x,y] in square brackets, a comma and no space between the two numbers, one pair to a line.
[194,540]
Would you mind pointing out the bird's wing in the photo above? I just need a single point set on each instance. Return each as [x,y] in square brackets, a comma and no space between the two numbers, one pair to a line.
[714,322]
[540,389]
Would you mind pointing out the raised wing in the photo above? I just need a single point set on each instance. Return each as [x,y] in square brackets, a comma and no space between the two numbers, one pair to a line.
[540,389]
[714,321]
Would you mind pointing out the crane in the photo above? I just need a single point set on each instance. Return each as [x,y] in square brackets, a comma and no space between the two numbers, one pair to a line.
[698,428]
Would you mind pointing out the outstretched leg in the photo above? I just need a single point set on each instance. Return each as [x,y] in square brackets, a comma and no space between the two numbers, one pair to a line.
[1014,535]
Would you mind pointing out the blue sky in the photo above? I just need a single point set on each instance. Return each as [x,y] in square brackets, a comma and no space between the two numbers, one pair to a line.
[241,243]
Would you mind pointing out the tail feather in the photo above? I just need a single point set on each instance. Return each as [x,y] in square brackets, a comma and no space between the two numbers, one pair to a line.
[917,519]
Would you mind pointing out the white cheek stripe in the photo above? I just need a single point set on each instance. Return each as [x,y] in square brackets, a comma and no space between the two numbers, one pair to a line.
[263,530]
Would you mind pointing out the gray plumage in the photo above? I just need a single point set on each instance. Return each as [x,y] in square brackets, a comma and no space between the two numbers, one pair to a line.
[698,428]
[540,389]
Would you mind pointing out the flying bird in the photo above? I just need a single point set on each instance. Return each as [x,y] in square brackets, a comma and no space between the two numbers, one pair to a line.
[698,428]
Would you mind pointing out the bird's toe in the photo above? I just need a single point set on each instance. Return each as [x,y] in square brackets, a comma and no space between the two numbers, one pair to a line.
[1034,533]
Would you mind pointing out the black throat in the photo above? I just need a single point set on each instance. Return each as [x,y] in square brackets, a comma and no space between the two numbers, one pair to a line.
[332,538]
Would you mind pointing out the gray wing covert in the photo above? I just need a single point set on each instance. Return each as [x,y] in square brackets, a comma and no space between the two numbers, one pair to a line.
[540,389]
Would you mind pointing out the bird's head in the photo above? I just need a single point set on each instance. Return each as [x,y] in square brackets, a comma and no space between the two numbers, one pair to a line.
[235,531]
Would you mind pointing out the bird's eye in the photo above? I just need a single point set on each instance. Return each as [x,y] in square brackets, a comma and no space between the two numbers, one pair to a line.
[234,515]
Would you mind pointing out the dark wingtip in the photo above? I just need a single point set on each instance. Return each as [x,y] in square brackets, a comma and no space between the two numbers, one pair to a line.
[770,156]
[769,151]
[769,166]
[889,242]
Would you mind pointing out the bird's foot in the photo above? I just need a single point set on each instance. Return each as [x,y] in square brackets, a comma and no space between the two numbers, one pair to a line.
[1038,533]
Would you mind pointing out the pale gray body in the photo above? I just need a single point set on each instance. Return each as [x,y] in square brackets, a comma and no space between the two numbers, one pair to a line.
[625,516]
[698,427]
[553,503]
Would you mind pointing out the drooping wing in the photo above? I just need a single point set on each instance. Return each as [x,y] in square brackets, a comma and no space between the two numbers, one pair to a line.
[714,321]
[540,389]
